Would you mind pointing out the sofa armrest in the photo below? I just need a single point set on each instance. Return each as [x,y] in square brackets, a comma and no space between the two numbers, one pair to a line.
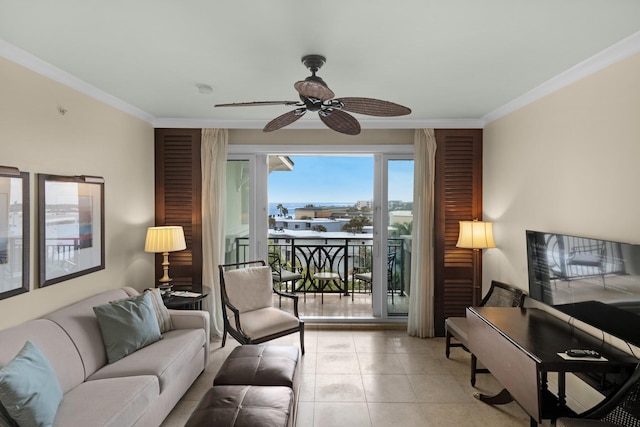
[190,319]
[193,319]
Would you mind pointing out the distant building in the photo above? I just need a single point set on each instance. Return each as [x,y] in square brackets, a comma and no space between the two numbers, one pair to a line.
[364,204]
[400,217]
[313,224]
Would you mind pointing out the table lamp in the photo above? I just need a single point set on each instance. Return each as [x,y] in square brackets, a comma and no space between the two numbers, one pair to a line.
[164,240]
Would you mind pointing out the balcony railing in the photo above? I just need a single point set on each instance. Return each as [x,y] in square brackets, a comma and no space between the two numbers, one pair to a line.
[339,255]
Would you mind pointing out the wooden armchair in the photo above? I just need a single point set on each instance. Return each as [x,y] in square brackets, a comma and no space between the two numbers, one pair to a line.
[249,316]
[499,295]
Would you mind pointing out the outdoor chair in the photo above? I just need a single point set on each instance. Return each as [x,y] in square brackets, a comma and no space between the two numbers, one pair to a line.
[499,295]
[366,276]
[249,316]
[281,274]
[621,409]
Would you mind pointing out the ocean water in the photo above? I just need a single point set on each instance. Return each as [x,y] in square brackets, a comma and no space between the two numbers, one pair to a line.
[291,206]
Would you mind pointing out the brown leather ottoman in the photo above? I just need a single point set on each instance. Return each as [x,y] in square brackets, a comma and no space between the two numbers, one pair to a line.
[257,385]
[244,406]
[260,365]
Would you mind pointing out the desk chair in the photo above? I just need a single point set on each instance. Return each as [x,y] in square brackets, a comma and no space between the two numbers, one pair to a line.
[621,409]
[247,306]
[499,295]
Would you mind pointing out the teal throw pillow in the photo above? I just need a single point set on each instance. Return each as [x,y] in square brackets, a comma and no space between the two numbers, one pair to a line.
[127,325]
[29,388]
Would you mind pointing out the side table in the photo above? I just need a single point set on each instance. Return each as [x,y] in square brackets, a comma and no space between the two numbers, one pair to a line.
[184,303]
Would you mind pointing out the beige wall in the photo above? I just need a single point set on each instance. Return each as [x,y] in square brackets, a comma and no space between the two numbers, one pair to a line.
[93,139]
[567,163]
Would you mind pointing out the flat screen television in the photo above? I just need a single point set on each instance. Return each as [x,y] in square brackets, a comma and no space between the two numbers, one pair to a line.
[595,281]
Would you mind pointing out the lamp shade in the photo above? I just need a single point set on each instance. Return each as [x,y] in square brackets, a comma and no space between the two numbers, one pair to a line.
[165,239]
[476,235]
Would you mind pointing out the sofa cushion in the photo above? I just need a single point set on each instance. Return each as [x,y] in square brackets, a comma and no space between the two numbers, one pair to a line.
[53,341]
[109,402]
[127,325]
[164,359]
[79,322]
[29,389]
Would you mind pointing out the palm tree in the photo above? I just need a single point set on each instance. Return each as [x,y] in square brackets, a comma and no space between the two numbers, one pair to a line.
[280,208]
[403,228]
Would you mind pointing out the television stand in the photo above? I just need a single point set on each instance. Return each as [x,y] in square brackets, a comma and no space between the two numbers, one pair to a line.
[520,347]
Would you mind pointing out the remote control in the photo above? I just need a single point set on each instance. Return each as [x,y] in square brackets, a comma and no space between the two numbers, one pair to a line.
[582,353]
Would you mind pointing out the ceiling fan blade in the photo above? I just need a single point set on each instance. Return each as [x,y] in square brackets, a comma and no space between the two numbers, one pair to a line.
[257,103]
[340,122]
[284,120]
[313,89]
[373,107]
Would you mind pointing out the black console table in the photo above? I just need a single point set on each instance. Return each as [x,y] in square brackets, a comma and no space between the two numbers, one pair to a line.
[520,347]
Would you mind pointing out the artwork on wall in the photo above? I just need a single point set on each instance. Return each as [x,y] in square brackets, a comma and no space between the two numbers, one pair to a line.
[14,232]
[71,227]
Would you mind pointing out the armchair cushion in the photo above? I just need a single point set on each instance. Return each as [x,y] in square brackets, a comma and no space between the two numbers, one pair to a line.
[266,321]
[249,288]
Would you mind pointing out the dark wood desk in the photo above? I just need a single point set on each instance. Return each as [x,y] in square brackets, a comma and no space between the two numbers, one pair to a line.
[521,345]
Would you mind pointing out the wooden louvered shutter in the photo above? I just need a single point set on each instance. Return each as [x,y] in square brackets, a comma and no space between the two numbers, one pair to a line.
[178,180]
[457,197]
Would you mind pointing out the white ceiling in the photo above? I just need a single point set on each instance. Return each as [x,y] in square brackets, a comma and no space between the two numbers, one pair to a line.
[455,62]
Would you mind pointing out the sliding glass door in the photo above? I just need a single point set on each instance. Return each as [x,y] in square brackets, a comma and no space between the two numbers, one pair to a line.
[325,203]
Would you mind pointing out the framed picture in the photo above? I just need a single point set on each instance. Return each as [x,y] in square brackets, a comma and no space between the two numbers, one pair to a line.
[14,233]
[71,226]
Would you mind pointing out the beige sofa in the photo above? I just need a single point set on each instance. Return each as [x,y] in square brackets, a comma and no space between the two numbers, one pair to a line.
[138,390]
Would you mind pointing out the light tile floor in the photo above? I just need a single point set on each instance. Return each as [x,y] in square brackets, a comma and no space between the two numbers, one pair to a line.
[352,376]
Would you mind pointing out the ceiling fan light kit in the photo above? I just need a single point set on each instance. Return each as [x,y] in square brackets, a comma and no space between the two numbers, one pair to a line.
[315,96]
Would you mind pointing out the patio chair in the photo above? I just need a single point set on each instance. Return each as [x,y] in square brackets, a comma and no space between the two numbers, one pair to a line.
[281,274]
[249,315]
[367,277]
[499,295]
[621,409]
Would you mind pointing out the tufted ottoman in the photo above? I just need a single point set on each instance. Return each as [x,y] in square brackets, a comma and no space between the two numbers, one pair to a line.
[257,385]
[244,406]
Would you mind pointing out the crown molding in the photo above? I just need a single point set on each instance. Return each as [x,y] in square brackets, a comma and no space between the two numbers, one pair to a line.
[617,52]
[623,49]
[41,67]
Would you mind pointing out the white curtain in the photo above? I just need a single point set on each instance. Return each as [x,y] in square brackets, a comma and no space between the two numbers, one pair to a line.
[421,300]
[214,172]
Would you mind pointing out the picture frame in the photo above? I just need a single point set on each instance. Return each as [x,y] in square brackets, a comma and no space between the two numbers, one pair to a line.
[15,220]
[71,227]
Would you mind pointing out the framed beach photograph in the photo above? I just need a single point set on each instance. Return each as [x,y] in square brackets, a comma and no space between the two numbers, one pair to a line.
[71,227]
[14,233]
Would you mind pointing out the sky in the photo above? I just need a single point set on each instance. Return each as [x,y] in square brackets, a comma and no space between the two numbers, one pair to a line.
[344,179]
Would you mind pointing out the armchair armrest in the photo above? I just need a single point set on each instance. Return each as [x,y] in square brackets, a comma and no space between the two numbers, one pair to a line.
[291,296]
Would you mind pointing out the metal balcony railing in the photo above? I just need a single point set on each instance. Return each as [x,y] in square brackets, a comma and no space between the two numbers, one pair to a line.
[339,255]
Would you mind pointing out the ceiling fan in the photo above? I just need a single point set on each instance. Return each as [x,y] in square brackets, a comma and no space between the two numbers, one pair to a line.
[316,96]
